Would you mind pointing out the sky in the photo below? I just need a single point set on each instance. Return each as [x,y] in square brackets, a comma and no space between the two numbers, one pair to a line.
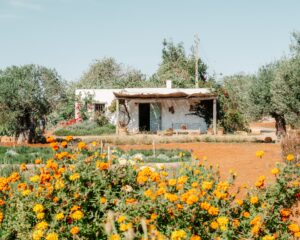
[236,36]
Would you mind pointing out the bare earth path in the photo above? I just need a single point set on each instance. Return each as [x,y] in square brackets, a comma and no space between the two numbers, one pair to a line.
[239,157]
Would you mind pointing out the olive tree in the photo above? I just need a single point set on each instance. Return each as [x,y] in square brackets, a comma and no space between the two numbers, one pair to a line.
[27,94]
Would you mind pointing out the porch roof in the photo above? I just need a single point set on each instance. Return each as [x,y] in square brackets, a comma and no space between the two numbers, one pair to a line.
[163,93]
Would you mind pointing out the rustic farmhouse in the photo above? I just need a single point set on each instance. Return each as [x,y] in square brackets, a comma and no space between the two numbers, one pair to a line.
[149,109]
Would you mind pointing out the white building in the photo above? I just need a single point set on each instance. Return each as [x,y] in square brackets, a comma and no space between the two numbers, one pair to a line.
[150,109]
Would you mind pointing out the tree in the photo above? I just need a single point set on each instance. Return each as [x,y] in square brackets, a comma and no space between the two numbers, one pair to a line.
[107,73]
[285,94]
[27,94]
[179,67]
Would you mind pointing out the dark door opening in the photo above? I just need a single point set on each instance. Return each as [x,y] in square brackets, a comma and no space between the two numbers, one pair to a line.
[144,117]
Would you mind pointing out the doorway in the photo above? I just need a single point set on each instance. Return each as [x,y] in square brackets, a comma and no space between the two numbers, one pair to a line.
[144,117]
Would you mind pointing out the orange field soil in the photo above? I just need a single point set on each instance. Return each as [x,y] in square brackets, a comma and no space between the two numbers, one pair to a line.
[239,157]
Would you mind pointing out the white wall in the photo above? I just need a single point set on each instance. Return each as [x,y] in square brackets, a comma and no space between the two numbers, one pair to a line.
[181,114]
[181,109]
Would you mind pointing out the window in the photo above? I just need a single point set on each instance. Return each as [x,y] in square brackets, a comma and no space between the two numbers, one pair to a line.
[100,107]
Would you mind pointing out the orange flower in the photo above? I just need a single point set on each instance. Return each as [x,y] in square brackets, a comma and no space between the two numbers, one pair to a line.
[130,200]
[290,157]
[74,230]
[102,165]
[69,138]
[81,145]
[50,139]
[38,161]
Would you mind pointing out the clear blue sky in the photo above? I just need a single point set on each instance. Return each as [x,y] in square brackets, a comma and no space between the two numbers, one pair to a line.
[235,35]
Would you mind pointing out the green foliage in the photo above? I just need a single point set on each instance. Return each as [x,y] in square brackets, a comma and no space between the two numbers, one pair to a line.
[86,128]
[101,119]
[27,93]
[23,154]
[108,73]
[178,67]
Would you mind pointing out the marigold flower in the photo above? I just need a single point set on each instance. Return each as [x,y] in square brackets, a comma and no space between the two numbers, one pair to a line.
[115,237]
[254,199]
[103,200]
[293,227]
[195,237]
[207,185]
[41,225]
[290,157]
[246,214]
[38,161]
[74,176]
[260,153]
[81,145]
[59,216]
[26,192]
[121,219]
[59,184]
[268,237]
[52,236]
[214,225]
[69,138]
[102,165]
[213,211]
[35,178]
[172,182]
[77,215]
[23,167]
[74,230]
[64,144]
[178,235]
[50,139]
[40,215]
[1,217]
[37,234]
[275,171]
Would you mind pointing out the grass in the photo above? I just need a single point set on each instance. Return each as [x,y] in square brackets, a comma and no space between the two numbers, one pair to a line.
[86,128]
[23,154]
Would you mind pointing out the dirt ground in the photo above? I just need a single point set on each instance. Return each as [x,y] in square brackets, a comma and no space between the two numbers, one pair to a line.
[239,157]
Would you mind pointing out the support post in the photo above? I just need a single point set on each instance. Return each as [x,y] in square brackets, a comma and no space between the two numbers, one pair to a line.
[215,116]
[117,110]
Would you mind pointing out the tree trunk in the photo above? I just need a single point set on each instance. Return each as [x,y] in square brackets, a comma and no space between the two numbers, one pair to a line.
[280,125]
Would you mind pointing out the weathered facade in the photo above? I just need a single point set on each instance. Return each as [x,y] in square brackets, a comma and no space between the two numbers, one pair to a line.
[150,109]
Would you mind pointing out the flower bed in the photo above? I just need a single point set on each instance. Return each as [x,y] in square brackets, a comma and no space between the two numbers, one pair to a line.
[82,194]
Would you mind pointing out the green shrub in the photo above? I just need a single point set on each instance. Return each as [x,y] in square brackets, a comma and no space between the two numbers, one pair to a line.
[86,128]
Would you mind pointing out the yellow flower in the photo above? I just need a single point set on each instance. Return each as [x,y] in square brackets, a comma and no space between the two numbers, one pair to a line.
[207,185]
[37,234]
[195,184]
[182,179]
[222,221]
[293,227]
[115,237]
[172,182]
[26,192]
[178,235]
[121,219]
[192,199]
[74,230]
[290,157]
[1,217]
[254,199]
[81,145]
[52,236]
[59,184]
[77,215]
[268,237]
[38,208]
[275,171]
[59,216]
[35,178]
[239,201]
[74,176]
[42,225]
[40,215]
[260,153]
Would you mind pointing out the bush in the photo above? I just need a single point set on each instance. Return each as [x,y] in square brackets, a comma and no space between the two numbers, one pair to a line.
[86,128]
[82,194]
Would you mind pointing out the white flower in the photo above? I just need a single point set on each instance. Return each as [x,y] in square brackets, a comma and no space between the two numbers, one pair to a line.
[127,188]
[122,161]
